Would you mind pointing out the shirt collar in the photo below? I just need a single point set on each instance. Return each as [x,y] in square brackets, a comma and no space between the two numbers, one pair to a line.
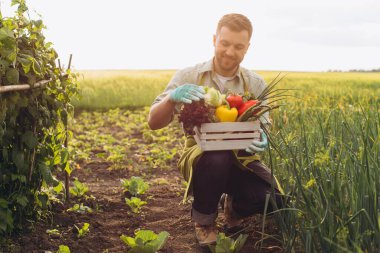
[209,66]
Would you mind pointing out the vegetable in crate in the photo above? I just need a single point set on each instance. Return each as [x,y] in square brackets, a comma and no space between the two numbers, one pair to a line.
[195,114]
[225,114]
[235,100]
[246,106]
[213,97]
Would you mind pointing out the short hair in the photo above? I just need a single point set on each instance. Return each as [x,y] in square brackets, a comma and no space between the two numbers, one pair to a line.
[235,22]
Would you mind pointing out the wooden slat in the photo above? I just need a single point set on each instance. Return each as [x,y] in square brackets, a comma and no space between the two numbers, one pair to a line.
[230,126]
[226,145]
[200,143]
[227,136]
[197,139]
[197,132]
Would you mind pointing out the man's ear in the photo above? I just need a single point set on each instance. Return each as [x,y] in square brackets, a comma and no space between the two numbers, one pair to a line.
[214,39]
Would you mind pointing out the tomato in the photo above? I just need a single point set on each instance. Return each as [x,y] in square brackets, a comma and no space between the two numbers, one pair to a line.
[246,105]
[235,100]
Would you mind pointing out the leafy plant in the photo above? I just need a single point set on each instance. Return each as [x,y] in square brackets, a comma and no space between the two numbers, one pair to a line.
[80,208]
[83,230]
[135,185]
[79,189]
[135,204]
[331,155]
[226,244]
[53,232]
[32,122]
[63,249]
[116,156]
[145,241]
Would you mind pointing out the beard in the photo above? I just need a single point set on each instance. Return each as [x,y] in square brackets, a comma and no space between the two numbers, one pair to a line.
[227,63]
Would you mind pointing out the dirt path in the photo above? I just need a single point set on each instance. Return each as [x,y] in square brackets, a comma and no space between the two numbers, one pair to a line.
[114,145]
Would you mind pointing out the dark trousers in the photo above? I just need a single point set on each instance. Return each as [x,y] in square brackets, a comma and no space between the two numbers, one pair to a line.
[216,173]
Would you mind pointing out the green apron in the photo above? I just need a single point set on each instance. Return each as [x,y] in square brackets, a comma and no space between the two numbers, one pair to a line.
[192,152]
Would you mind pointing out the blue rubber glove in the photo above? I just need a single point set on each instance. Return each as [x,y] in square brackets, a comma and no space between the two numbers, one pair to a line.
[187,93]
[258,146]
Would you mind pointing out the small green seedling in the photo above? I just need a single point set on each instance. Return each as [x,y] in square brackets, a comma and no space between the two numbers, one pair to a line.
[63,249]
[79,189]
[135,186]
[80,208]
[225,244]
[135,204]
[53,232]
[83,231]
[145,241]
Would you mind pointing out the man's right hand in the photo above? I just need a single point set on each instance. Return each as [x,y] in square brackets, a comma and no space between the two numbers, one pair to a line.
[187,93]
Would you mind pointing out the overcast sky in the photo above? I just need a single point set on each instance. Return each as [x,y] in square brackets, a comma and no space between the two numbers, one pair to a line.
[170,34]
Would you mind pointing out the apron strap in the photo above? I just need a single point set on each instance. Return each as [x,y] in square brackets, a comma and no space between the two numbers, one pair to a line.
[202,80]
[246,89]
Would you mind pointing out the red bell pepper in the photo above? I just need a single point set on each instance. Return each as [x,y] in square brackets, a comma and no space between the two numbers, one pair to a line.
[246,105]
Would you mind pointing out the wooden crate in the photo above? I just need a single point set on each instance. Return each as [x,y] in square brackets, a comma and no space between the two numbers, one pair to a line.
[226,135]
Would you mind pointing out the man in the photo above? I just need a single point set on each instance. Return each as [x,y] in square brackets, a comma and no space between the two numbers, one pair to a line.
[237,178]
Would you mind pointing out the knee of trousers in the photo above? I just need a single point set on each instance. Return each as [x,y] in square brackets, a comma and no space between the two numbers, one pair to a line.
[216,161]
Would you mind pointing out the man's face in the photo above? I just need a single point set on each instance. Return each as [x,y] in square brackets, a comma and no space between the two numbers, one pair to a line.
[230,48]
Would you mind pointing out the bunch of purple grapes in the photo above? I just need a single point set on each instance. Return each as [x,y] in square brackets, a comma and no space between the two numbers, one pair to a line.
[194,114]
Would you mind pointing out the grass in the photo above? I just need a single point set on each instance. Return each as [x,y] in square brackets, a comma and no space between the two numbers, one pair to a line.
[330,168]
[112,89]
[133,88]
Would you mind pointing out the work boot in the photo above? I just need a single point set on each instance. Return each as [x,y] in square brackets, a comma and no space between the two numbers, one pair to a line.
[205,234]
[232,222]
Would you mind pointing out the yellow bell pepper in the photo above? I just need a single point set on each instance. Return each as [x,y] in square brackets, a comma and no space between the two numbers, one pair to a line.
[225,114]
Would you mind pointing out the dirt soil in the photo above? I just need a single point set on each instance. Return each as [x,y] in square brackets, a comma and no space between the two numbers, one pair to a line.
[111,217]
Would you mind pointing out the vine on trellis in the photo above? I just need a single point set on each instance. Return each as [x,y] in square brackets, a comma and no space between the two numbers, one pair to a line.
[35,96]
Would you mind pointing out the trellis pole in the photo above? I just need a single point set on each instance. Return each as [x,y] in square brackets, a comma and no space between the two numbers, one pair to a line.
[21,87]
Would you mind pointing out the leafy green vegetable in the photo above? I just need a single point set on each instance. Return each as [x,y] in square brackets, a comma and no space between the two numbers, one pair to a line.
[213,97]
[80,208]
[79,189]
[145,241]
[53,232]
[135,204]
[83,230]
[63,249]
[226,244]
[135,185]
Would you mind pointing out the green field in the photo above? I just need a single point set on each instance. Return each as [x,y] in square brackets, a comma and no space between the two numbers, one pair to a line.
[131,88]
[325,150]
[111,89]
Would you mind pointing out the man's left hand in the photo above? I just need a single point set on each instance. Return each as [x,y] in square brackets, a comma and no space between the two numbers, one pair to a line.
[258,146]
